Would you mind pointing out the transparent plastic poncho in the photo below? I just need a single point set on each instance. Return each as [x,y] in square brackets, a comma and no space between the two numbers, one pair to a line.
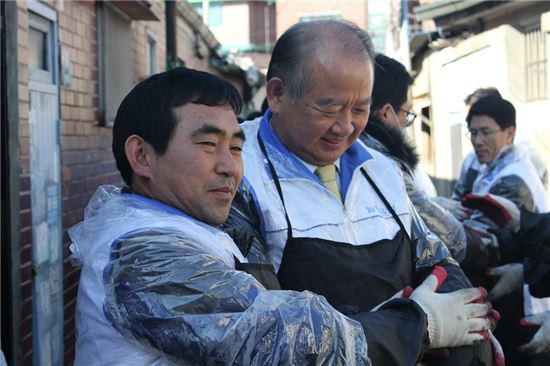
[167,283]
[437,219]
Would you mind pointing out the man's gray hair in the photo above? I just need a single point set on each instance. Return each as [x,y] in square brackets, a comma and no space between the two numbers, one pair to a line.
[295,49]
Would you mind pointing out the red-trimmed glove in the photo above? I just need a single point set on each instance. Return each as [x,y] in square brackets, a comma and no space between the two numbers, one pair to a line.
[510,278]
[454,207]
[498,352]
[401,294]
[500,210]
[454,319]
[541,340]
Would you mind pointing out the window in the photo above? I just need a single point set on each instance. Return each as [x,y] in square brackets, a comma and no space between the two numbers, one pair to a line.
[115,60]
[536,69]
[320,16]
[40,49]
[151,56]
[214,13]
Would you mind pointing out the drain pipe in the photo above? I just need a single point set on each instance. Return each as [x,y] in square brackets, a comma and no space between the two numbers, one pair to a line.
[171,35]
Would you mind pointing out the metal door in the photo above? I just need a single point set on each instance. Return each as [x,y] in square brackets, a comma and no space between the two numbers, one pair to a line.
[45,186]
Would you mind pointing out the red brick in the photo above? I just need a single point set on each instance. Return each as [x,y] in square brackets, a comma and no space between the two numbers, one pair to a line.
[25,200]
[26,290]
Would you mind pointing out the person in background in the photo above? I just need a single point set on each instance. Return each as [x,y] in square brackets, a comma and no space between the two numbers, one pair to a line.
[506,170]
[470,166]
[161,284]
[384,132]
[389,116]
[333,216]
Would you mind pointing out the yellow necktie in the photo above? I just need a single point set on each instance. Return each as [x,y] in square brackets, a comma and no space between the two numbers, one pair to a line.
[327,174]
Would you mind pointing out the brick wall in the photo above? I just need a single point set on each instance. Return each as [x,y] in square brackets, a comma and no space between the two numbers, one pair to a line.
[25,240]
[85,153]
[86,157]
[141,32]
[186,36]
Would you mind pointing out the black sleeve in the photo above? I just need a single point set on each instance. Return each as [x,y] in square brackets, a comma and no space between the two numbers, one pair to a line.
[396,333]
[243,225]
[456,279]
[533,239]
[536,272]
[479,257]
[534,233]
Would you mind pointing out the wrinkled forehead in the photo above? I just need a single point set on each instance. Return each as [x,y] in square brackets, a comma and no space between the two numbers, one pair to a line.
[191,118]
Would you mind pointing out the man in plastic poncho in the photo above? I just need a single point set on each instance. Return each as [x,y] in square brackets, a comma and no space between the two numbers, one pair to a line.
[506,170]
[160,284]
[332,215]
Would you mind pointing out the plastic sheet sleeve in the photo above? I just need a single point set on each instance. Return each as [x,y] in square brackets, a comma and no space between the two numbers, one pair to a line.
[431,251]
[438,220]
[165,291]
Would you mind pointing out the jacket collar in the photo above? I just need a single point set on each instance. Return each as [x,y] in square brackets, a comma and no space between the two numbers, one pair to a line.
[390,142]
[167,209]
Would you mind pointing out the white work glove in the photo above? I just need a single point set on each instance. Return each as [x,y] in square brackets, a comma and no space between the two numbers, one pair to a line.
[510,279]
[454,319]
[541,341]
[454,207]
[498,352]
[500,210]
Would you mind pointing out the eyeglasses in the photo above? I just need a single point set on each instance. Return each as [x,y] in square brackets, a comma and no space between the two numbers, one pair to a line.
[483,133]
[410,117]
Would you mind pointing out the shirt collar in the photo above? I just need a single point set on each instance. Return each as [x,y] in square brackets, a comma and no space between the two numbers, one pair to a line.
[312,167]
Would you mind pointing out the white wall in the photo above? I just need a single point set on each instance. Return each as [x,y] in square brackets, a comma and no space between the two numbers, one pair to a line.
[235,26]
[494,58]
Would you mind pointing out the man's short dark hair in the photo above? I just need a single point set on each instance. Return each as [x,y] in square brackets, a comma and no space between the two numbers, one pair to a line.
[501,110]
[391,83]
[149,109]
[292,55]
[480,93]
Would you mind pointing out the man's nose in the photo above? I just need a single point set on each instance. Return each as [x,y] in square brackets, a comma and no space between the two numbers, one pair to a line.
[344,123]
[227,163]
[477,139]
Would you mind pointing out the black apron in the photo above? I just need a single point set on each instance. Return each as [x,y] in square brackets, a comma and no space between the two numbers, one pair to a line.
[353,278]
[263,273]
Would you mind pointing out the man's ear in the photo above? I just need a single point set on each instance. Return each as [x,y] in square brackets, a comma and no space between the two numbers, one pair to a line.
[510,133]
[384,113]
[138,152]
[275,90]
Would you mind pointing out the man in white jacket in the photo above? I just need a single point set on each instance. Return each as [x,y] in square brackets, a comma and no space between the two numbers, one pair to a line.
[332,215]
[507,170]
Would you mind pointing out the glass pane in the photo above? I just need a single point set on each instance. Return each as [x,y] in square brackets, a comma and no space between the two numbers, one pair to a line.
[37,49]
[215,14]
